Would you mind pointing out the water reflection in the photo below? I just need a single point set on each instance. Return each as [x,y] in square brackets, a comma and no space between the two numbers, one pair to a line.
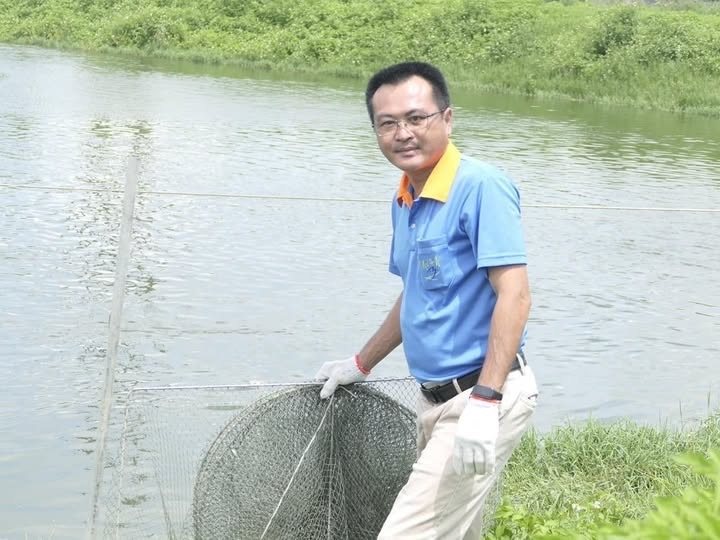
[615,128]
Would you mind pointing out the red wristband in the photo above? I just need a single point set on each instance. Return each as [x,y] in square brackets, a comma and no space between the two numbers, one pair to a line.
[486,400]
[359,366]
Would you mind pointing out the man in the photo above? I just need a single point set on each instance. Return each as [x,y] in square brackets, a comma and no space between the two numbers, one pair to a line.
[458,247]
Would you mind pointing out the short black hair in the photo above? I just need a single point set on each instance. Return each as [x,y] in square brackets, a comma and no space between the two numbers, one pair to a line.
[398,73]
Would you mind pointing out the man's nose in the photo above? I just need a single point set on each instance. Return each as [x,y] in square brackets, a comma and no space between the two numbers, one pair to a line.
[402,132]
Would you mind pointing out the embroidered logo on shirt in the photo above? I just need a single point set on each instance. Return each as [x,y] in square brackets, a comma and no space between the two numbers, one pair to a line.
[430,267]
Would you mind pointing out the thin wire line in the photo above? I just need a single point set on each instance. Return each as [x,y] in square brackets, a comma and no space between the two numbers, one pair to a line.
[302,457]
[332,475]
[255,386]
[357,200]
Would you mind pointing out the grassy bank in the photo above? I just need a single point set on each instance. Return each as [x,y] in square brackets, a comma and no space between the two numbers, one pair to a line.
[663,57]
[600,481]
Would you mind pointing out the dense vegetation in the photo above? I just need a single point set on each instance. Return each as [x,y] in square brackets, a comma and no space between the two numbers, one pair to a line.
[645,56]
[608,481]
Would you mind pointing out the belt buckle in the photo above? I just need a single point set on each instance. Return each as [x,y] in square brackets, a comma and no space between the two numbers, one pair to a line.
[437,398]
[431,394]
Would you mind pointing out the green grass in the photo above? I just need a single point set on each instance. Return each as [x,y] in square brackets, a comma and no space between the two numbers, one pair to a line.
[579,479]
[657,57]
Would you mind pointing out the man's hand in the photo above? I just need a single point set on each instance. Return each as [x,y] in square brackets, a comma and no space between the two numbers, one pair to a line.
[476,437]
[340,372]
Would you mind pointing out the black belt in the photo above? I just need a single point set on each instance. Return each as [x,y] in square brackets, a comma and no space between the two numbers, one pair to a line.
[444,392]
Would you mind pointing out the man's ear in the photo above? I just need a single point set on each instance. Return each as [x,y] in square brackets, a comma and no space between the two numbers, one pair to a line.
[448,120]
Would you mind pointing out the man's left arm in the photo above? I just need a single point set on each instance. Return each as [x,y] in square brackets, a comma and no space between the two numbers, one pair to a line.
[479,424]
[508,322]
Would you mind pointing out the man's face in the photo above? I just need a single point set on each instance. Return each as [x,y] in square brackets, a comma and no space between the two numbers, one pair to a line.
[411,148]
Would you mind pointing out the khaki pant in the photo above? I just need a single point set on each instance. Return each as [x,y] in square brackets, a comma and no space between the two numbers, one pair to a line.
[436,503]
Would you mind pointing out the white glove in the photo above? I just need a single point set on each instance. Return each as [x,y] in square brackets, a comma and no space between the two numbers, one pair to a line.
[476,437]
[340,372]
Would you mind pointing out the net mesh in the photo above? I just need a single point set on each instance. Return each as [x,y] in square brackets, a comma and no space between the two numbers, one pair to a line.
[292,466]
[261,461]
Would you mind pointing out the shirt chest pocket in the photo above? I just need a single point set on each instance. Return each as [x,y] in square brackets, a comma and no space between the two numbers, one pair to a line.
[434,262]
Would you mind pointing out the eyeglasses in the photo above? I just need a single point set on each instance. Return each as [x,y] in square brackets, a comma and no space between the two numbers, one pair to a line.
[414,122]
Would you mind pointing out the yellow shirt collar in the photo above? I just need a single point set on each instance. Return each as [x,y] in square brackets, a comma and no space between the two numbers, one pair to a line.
[438,183]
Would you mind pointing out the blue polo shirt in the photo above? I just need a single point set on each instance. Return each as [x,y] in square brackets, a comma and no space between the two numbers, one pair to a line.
[466,220]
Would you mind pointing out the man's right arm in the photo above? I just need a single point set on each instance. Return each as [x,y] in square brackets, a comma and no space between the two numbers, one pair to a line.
[384,341]
[357,367]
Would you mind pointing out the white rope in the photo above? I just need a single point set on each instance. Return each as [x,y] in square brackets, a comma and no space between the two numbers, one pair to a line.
[332,474]
[356,200]
[292,478]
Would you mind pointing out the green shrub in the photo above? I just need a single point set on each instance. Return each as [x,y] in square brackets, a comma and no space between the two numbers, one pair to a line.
[146,28]
[617,29]
[692,515]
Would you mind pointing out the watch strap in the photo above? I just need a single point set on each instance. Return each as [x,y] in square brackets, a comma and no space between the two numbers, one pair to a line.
[480,391]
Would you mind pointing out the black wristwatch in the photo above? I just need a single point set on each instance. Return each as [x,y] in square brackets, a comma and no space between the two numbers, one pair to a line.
[485,392]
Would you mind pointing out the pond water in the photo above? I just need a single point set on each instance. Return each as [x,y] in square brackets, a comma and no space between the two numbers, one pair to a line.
[261,239]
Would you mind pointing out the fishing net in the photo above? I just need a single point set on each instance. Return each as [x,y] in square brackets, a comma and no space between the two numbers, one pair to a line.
[260,461]
[295,466]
